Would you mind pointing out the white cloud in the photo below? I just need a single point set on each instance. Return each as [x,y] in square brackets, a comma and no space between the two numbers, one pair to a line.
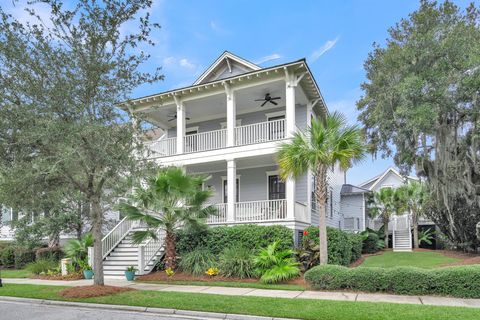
[172,62]
[273,56]
[187,64]
[217,28]
[324,48]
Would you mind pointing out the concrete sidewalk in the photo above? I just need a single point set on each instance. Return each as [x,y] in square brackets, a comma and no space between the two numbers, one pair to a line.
[322,295]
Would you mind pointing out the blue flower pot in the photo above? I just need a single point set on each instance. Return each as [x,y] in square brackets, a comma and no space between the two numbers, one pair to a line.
[130,275]
[88,274]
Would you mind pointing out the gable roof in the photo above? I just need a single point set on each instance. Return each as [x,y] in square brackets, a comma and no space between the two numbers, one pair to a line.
[370,184]
[224,66]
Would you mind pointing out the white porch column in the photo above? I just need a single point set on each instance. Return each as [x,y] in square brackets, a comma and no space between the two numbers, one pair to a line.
[180,124]
[231,189]
[231,115]
[290,195]
[309,172]
[290,85]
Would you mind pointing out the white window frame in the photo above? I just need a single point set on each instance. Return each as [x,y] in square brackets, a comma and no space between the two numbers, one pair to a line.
[274,114]
[224,178]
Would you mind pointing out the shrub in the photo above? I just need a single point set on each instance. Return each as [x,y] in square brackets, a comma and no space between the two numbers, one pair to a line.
[462,282]
[343,247]
[42,266]
[49,253]
[237,262]
[251,237]
[196,262]
[370,242]
[273,265]
[77,250]
[23,256]
[7,256]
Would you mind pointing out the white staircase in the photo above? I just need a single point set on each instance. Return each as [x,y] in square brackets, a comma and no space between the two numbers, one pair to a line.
[402,238]
[120,252]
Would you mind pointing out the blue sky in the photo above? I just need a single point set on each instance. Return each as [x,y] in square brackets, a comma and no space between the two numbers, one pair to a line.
[334,36]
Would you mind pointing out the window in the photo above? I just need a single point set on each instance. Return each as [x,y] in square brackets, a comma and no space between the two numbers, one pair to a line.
[225,190]
[276,188]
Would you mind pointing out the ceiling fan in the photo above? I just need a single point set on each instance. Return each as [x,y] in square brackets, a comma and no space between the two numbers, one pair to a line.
[268,98]
[174,117]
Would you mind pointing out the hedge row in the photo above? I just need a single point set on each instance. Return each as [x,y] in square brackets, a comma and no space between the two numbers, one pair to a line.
[15,257]
[343,247]
[462,282]
[217,239]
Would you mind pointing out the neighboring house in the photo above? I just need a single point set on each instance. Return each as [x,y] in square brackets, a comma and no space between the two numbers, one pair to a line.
[354,207]
[229,124]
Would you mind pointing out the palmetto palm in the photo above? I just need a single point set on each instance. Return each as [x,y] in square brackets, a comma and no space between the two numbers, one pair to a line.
[323,145]
[171,200]
[413,195]
[386,202]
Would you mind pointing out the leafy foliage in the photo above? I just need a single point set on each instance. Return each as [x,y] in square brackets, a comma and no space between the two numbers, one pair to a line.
[77,250]
[248,236]
[273,265]
[462,282]
[421,104]
[237,262]
[42,266]
[426,236]
[196,262]
[325,144]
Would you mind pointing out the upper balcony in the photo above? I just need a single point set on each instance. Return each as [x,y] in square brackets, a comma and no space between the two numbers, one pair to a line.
[260,132]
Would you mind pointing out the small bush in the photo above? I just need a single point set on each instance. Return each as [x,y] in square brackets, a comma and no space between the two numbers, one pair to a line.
[23,256]
[370,243]
[237,262]
[197,262]
[249,236]
[49,253]
[274,265]
[461,282]
[7,256]
[42,266]
[343,247]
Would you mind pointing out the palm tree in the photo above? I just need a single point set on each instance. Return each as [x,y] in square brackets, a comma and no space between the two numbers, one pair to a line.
[77,250]
[386,203]
[413,195]
[326,143]
[171,200]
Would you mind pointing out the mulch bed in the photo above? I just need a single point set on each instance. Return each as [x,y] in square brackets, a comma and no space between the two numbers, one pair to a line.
[69,277]
[92,291]
[181,276]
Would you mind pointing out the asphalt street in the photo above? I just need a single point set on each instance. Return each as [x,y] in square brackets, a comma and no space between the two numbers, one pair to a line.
[24,311]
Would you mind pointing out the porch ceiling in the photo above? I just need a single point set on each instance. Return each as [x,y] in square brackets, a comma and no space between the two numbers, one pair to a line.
[214,106]
[243,163]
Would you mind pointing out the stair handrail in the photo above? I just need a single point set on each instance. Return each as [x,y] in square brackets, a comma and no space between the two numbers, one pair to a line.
[148,250]
[115,236]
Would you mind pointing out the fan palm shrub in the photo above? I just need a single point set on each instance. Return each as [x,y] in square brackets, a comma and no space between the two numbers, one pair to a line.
[77,250]
[170,200]
[273,265]
[326,143]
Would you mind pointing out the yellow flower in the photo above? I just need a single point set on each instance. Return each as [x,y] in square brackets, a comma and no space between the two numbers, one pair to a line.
[169,272]
[211,272]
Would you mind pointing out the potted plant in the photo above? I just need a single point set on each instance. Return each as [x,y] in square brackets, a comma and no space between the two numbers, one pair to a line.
[86,268]
[130,273]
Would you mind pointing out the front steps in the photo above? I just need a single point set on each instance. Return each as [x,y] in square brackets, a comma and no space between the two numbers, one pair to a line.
[402,240]
[124,255]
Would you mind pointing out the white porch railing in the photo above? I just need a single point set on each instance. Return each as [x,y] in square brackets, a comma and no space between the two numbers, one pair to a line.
[204,141]
[148,251]
[260,132]
[113,238]
[221,214]
[261,210]
[164,147]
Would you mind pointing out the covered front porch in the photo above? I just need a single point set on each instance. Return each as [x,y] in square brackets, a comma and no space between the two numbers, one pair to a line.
[249,190]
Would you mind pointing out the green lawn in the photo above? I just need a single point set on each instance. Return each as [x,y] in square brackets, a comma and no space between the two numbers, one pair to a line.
[420,259]
[12,273]
[256,285]
[271,307]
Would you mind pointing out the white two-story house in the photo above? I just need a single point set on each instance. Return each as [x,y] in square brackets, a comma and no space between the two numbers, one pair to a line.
[228,124]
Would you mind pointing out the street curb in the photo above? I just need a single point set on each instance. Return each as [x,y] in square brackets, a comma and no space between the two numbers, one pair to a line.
[150,310]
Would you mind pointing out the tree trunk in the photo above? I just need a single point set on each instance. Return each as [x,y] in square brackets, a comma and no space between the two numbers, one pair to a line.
[97,222]
[170,251]
[321,197]
[54,240]
[385,230]
[415,230]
